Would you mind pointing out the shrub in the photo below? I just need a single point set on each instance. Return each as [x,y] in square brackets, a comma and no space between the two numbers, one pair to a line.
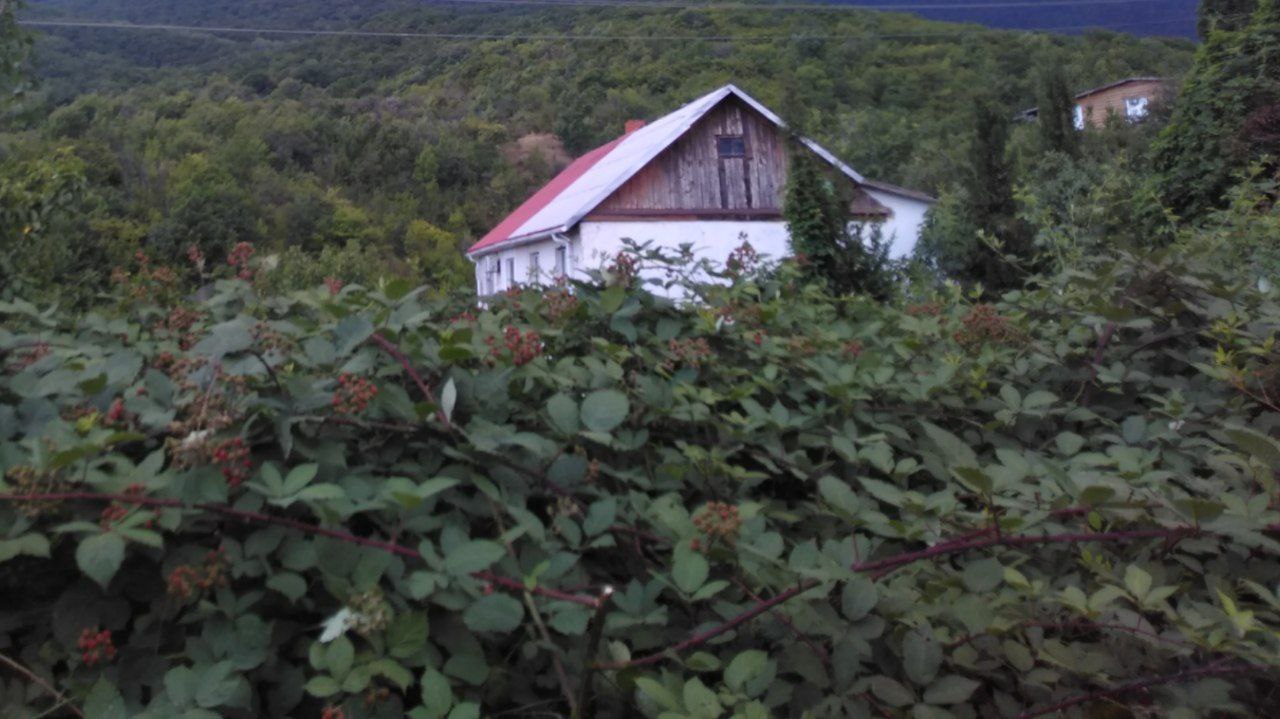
[1059,500]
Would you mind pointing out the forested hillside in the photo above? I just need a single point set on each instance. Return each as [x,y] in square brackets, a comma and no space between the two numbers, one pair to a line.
[406,149]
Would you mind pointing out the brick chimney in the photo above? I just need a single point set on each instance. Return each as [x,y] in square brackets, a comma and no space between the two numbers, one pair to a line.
[632,126]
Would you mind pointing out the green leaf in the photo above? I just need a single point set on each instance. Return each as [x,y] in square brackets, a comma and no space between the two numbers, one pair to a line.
[1200,509]
[407,634]
[437,697]
[448,398]
[220,686]
[226,338]
[950,689]
[982,575]
[564,413]
[570,620]
[658,693]
[35,545]
[339,656]
[289,584]
[689,569]
[891,692]
[322,686]
[858,598]
[465,710]
[104,702]
[494,613]
[744,667]
[1256,445]
[604,409]
[1069,443]
[954,449]
[921,656]
[180,685]
[839,495]
[1137,581]
[99,556]
[701,701]
[600,515]
[350,332]
[299,477]
[473,556]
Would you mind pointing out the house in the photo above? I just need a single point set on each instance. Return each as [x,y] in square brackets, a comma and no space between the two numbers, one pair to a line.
[1129,98]
[712,174]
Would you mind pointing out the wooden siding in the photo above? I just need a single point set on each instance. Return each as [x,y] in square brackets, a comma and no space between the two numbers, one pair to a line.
[1099,105]
[690,175]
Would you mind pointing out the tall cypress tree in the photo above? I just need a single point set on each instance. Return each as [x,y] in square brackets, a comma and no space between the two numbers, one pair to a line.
[1056,111]
[991,207]
[817,217]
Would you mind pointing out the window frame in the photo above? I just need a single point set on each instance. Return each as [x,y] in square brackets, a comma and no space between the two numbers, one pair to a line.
[561,267]
[721,139]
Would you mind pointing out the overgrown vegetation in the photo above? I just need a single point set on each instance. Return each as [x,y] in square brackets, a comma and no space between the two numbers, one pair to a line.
[362,501]
[313,143]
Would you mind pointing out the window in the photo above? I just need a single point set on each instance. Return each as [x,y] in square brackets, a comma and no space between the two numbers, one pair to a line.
[735,172]
[1135,108]
[561,264]
[493,277]
[534,269]
[1078,117]
[731,146]
[511,272]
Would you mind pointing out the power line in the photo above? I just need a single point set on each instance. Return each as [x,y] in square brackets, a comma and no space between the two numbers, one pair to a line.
[837,6]
[412,35]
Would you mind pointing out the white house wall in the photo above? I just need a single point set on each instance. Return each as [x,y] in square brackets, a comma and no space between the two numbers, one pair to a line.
[593,245]
[902,228]
[521,258]
[599,242]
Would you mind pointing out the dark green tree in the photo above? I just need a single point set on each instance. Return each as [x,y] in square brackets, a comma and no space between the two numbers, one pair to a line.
[1054,115]
[1223,15]
[975,235]
[818,222]
[1213,134]
[14,46]
[209,209]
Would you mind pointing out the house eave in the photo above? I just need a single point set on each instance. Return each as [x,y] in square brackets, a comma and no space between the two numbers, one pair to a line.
[512,242]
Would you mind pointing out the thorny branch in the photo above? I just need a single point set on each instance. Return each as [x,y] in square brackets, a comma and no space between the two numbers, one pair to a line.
[252,517]
[1212,670]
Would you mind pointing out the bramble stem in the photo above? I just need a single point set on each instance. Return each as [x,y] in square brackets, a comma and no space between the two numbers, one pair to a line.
[40,682]
[251,517]
[1211,670]
[390,348]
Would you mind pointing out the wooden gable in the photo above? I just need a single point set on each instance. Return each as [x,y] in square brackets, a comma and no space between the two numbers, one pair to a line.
[731,164]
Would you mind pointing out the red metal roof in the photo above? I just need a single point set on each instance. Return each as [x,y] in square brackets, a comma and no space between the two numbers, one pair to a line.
[540,199]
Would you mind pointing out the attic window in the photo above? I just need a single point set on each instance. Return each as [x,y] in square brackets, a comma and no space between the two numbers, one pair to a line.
[731,146]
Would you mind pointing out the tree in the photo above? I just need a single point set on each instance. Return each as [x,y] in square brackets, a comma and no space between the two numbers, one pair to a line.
[1212,136]
[975,235]
[209,209]
[14,46]
[1223,15]
[437,256]
[818,224]
[1055,113]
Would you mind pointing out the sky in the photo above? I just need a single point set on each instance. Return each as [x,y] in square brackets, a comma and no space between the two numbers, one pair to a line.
[1139,17]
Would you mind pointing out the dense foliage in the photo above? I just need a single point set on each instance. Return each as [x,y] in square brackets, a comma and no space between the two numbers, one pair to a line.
[247,470]
[311,143]
[1228,115]
[362,501]
[846,258]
